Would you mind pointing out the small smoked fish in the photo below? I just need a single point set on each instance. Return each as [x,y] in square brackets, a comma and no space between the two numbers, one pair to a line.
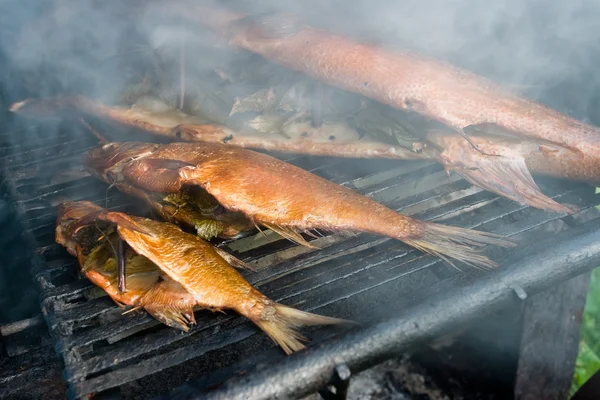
[282,197]
[209,278]
[148,287]
[181,128]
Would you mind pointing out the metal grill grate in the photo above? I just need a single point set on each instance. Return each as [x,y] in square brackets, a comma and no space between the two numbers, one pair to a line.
[362,277]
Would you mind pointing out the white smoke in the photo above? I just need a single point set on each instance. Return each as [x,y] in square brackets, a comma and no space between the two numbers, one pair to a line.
[546,49]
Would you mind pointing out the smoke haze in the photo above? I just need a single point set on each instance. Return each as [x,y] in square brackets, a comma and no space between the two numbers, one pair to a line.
[545,49]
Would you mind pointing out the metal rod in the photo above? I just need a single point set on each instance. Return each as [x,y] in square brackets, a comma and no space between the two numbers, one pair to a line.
[121,265]
[19,326]
[556,259]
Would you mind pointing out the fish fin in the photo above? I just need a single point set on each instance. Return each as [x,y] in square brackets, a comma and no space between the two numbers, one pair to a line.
[290,234]
[121,305]
[315,235]
[172,316]
[130,310]
[127,222]
[154,174]
[489,129]
[457,243]
[118,218]
[508,177]
[101,138]
[282,323]
[232,260]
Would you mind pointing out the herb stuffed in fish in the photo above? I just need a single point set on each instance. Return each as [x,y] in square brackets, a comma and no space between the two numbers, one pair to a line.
[148,287]
[191,208]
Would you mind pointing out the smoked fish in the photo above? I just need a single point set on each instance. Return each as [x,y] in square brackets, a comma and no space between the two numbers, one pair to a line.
[211,281]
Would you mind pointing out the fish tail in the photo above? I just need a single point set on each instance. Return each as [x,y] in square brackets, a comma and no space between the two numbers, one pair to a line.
[281,324]
[457,243]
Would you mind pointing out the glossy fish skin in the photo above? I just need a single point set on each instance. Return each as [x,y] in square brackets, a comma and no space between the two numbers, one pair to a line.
[147,286]
[212,281]
[289,199]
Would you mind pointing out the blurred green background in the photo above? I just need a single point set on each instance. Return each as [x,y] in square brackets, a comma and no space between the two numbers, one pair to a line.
[588,358]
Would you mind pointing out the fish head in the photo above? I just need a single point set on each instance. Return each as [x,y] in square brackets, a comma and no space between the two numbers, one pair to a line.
[69,214]
[74,210]
[106,162]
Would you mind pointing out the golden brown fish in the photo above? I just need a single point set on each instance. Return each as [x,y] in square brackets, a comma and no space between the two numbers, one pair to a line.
[148,287]
[280,196]
[213,283]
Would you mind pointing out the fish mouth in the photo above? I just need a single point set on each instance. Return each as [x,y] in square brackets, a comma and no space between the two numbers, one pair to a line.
[105,162]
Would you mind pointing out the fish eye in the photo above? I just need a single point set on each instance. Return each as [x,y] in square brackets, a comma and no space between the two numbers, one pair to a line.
[111,177]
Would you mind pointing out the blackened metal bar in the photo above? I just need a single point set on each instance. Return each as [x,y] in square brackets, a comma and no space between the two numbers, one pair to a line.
[544,264]
[15,327]
[550,341]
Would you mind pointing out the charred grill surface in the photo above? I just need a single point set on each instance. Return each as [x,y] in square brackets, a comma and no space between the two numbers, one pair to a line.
[361,277]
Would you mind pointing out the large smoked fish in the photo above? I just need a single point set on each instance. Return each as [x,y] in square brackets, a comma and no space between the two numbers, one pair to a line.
[444,93]
[280,196]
